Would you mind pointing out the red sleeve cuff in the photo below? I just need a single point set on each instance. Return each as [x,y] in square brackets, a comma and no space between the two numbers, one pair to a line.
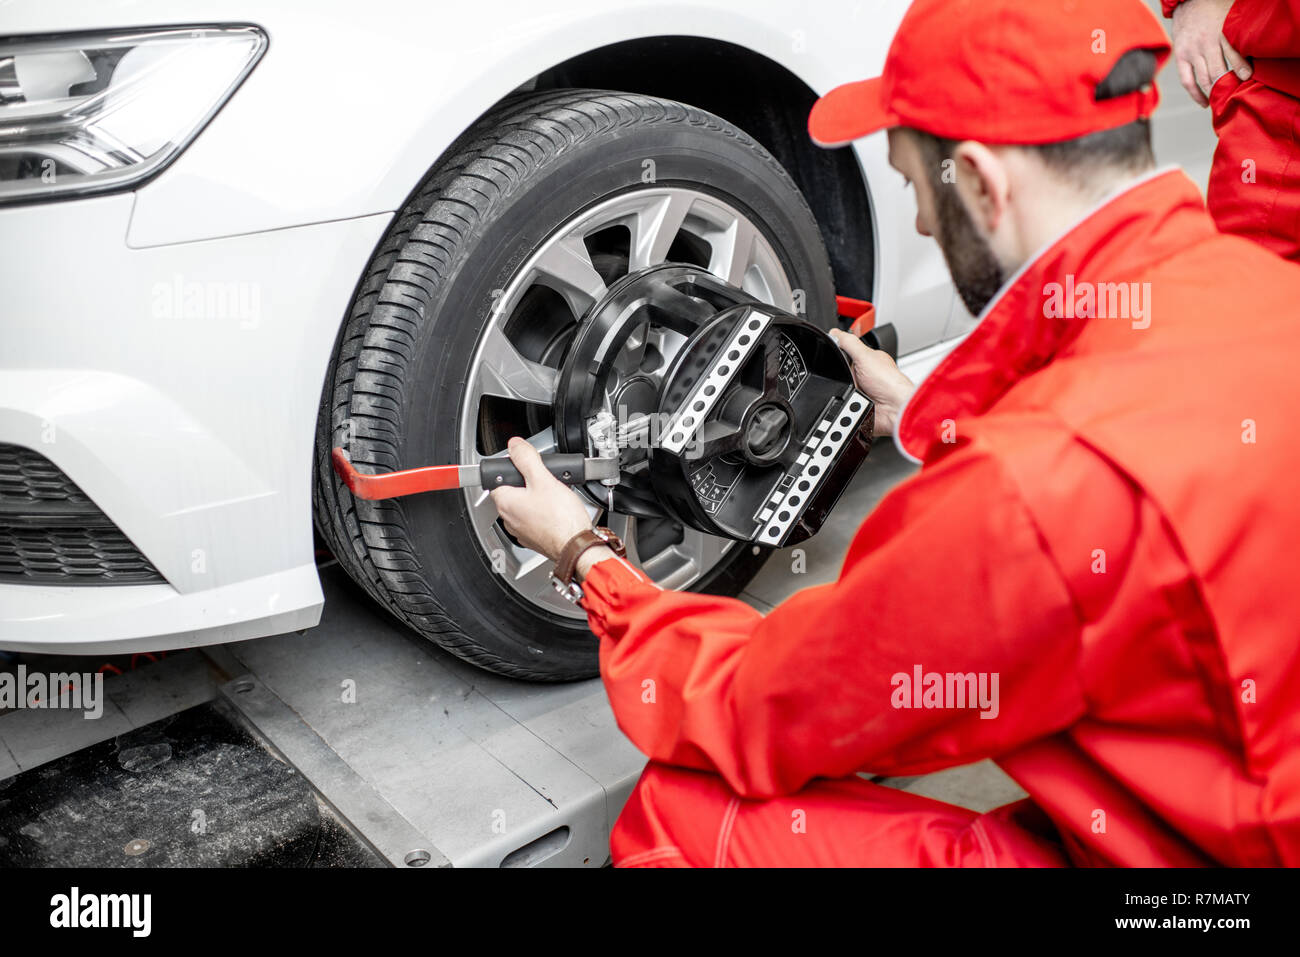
[610,586]
[1169,6]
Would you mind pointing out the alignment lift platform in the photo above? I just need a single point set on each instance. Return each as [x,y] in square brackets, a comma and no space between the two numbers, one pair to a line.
[433,761]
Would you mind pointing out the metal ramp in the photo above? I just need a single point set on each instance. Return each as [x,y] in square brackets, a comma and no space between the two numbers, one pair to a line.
[432,760]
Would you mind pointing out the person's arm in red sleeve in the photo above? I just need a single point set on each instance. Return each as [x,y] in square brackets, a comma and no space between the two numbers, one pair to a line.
[948,573]
[1264,28]
[1169,6]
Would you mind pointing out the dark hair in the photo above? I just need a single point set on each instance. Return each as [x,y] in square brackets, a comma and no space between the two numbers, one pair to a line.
[1126,147]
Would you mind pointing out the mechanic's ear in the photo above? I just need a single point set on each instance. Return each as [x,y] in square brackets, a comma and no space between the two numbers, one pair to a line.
[983,184]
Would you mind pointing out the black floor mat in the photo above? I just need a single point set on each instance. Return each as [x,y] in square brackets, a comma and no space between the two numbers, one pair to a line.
[192,790]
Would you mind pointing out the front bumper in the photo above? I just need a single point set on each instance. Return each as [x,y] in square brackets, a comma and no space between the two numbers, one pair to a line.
[177,386]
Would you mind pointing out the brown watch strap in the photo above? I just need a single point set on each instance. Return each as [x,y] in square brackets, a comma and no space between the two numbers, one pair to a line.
[567,564]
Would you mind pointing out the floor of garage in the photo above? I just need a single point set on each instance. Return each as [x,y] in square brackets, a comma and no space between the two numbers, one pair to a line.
[427,759]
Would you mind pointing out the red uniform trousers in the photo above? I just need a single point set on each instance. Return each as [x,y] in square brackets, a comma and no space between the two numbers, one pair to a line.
[1254,187]
[682,818]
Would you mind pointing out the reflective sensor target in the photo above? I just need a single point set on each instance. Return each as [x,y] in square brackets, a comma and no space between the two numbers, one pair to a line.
[762,428]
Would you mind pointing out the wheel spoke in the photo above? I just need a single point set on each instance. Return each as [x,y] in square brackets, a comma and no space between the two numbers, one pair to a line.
[679,564]
[654,228]
[666,342]
[533,576]
[506,373]
[624,526]
[630,357]
[703,550]
[660,564]
[543,441]
[733,251]
[679,313]
[566,267]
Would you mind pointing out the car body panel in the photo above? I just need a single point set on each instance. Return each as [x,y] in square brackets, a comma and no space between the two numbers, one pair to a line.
[309,137]
[178,387]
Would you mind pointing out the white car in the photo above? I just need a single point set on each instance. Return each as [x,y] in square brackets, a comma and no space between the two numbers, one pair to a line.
[235,236]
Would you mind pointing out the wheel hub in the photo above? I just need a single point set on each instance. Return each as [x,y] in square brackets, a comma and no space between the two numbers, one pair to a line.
[767,432]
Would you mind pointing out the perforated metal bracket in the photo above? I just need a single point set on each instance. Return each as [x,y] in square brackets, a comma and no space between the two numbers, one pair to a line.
[798,487]
[686,421]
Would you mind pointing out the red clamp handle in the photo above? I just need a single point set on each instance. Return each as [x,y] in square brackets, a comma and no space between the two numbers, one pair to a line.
[860,311]
[434,478]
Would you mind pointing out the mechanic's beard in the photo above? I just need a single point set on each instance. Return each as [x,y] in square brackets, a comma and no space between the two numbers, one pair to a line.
[976,272]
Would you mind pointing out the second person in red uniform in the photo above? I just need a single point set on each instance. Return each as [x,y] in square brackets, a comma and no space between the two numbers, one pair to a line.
[1242,59]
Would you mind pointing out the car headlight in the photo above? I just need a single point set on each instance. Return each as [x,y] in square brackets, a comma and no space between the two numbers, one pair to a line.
[95,112]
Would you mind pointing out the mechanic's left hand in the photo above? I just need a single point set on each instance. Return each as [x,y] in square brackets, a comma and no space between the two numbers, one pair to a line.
[877,377]
[1202,52]
[545,514]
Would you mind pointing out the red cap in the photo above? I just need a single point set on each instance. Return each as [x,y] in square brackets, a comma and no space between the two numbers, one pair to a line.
[999,71]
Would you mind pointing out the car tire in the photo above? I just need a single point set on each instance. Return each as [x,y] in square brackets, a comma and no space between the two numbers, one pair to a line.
[394,388]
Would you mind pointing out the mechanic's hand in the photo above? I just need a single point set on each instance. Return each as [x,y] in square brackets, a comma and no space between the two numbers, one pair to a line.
[877,377]
[1201,51]
[545,514]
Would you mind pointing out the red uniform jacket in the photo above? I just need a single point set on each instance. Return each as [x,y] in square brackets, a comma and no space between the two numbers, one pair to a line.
[1107,519]
[1269,32]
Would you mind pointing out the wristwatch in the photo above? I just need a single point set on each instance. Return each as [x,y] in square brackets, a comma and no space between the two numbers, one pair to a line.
[566,566]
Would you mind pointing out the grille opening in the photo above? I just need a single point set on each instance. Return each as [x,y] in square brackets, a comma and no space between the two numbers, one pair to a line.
[51,533]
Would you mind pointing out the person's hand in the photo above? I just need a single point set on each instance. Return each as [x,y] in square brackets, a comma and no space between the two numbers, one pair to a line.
[1201,51]
[877,377]
[545,514]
